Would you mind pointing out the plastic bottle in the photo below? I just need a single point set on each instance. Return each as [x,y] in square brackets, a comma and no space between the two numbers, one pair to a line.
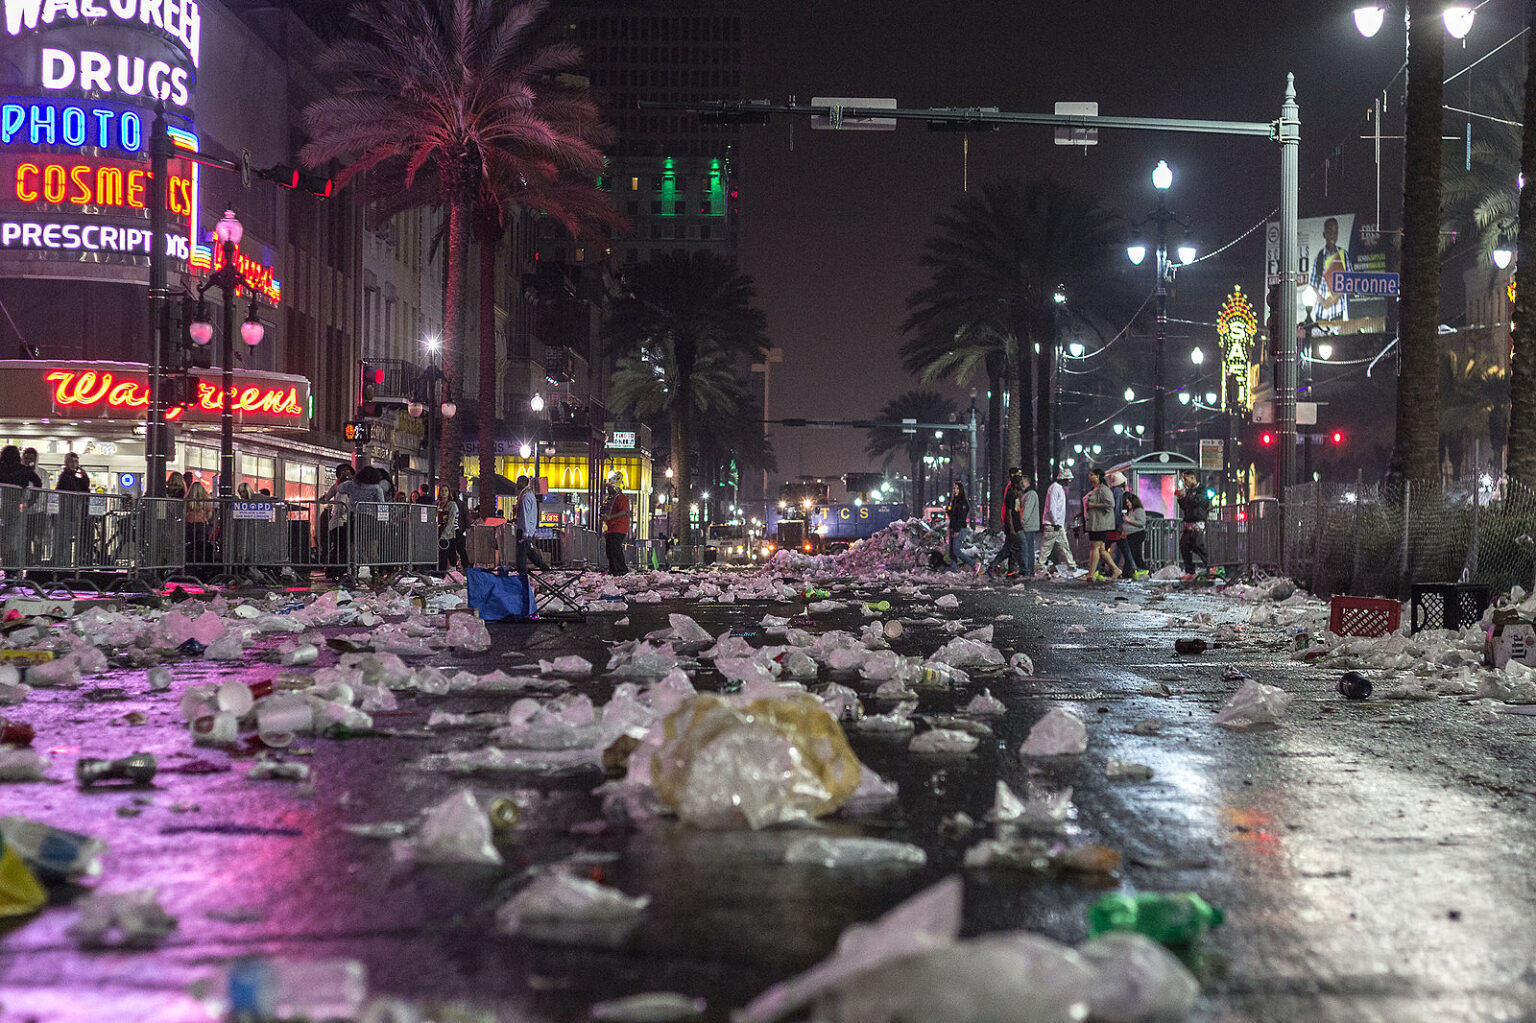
[1175,918]
[261,989]
[1303,638]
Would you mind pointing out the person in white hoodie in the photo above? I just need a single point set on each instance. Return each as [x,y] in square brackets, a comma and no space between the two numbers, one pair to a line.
[1053,522]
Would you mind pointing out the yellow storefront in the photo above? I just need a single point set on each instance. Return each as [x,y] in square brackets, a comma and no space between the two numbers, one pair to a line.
[569,486]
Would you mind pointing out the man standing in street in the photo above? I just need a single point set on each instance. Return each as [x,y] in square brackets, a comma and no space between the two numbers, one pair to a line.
[615,527]
[1053,519]
[1194,509]
[1029,526]
[1012,519]
[527,525]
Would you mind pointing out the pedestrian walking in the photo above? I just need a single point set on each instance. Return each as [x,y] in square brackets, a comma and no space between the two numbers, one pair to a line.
[1194,509]
[959,512]
[451,532]
[615,525]
[1053,521]
[1029,526]
[1136,534]
[527,525]
[1099,516]
[1118,544]
[1013,516]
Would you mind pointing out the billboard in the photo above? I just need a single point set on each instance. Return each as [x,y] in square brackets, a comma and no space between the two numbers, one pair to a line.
[75,121]
[1339,241]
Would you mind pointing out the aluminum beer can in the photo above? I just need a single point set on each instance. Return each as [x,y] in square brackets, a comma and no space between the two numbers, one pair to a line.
[15,733]
[138,769]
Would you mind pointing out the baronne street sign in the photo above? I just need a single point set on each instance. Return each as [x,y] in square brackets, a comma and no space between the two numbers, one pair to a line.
[1354,282]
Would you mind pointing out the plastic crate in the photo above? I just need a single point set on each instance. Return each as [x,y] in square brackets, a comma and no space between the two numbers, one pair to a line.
[1363,616]
[1451,606]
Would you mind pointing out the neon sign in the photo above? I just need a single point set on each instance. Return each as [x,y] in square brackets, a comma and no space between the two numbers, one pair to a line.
[1236,327]
[260,276]
[96,184]
[49,123]
[90,71]
[178,20]
[92,389]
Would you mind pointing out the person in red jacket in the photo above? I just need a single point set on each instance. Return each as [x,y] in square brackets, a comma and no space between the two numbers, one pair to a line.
[615,527]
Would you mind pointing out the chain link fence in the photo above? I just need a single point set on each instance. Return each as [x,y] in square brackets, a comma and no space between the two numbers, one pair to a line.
[1371,540]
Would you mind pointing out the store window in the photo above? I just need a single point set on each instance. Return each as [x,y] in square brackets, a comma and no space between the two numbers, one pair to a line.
[300,482]
[203,466]
[259,472]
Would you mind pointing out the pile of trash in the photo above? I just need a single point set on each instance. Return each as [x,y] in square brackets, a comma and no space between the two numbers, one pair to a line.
[901,546]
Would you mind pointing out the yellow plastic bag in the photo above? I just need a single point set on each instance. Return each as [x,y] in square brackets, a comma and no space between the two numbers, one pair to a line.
[20,892]
[774,761]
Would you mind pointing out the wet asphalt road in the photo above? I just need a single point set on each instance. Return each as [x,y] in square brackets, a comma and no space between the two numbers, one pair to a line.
[1370,858]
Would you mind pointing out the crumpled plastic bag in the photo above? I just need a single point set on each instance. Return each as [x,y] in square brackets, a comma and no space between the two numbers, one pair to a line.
[1058,733]
[968,653]
[943,740]
[125,920]
[689,634]
[1516,684]
[455,830]
[1039,808]
[835,853]
[771,761]
[1136,979]
[908,966]
[570,665]
[568,910]
[984,704]
[949,600]
[62,673]
[1252,706]
[468,633]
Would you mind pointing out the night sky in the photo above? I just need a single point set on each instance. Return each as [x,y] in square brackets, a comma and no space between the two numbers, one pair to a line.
[833,222]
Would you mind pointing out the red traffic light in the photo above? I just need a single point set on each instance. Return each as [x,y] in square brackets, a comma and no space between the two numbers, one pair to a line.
[378,376]
[1338,436]
[1242,515]
[1266,438]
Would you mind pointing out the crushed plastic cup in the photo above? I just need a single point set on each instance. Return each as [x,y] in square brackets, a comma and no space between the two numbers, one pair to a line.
[159,678]
[52,853]
[568,910]
[1137,979]
[198,701]
[844,853]
[304,653]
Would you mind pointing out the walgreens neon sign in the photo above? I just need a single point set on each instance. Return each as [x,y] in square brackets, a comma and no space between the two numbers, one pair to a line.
[88,389]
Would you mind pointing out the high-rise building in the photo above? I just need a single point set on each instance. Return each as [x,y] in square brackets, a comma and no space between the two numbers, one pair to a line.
[677,180]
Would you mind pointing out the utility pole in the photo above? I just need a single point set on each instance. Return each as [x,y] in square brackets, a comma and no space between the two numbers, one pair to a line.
[1289,137]
[156,443]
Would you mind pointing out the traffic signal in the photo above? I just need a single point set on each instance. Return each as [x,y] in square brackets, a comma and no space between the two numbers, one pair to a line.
[1337,436]
[369,378]
[1267,439]
[357,433]
[298,179]
[1272,314]
[187,353]
[178,389]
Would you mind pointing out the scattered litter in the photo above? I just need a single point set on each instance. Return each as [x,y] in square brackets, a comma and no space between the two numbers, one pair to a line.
[942,741]
[1170,919]
[455,830]
[650,1007]
[1354,686]
[52,853]
[20,763]
[1253,706]
[1147,726]
[1190,646]
[568,910]
[125,920]
[1137,979]
[1058,733]
[986,705]
[836,853]
[1126,770]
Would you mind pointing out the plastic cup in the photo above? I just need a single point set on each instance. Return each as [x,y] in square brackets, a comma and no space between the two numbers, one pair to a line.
[305,653]
[279,715]
[219,729]
[198,701]
[235,698]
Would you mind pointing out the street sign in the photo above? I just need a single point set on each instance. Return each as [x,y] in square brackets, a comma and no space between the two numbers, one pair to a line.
[1306,413]
[255,511]
[837,122]
[1077,135]
[622,439]
[1354,282]
[1212,453]
[909,429]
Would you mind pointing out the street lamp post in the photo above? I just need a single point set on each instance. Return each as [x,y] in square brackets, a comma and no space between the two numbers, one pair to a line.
[229,281]
[1162,180]
[433,409]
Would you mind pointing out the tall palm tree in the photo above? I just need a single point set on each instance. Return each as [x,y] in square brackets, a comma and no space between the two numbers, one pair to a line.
[997,260]
[442,98]
[923,407]
[1522,369]
[1416,453]
[685,313]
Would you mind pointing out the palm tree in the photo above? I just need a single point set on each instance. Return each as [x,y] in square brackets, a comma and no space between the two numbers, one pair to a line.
[1474,392]
[1416,453]
[446,101]
[922,407]
[997,260]
[686,317]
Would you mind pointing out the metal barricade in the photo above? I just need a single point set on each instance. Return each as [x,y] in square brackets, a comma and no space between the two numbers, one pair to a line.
[381,535]
[162,530]
[67,533]
[1162,543]
[421,527]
